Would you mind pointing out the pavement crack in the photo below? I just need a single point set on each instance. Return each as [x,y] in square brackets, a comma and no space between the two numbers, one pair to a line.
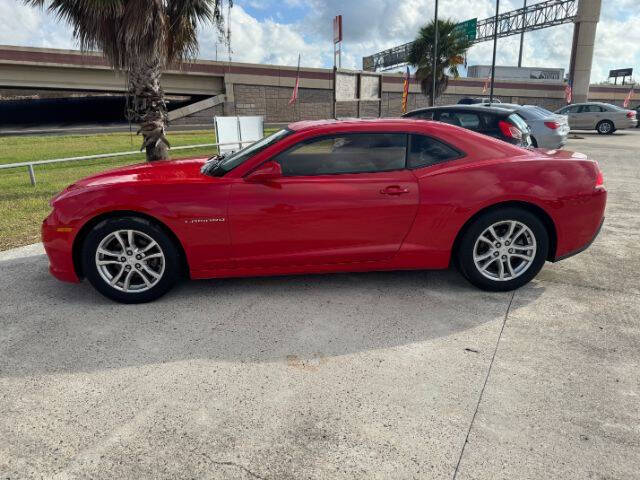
[237,465]
[486,379]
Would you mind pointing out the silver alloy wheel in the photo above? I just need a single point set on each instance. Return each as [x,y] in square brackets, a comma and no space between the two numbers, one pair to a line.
[130,261]
[605,127]
[505,250]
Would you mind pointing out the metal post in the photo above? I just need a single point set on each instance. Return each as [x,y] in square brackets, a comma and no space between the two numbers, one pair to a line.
[434,65]
[32,175]
[524,17]
[495,44]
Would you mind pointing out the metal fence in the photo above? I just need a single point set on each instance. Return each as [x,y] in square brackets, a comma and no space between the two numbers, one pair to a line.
[32,173]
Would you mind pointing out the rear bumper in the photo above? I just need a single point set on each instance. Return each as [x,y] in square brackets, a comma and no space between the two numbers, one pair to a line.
[59,247]
[582,248]
[578,222]
[628,123]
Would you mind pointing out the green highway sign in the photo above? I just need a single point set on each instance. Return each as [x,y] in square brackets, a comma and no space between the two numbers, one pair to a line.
[468,28]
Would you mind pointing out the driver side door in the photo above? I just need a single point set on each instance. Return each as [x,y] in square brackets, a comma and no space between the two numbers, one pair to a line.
[341,198]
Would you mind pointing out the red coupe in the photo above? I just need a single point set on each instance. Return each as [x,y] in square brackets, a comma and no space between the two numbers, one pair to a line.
[329,196]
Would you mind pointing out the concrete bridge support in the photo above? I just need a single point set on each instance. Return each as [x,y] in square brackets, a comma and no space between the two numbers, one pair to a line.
[584,39]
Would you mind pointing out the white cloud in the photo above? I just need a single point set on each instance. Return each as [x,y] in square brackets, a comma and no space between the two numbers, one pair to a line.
[262,42]
[22,25]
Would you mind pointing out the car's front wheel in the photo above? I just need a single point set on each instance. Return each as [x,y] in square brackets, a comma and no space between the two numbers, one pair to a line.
[503,249]
[130,260]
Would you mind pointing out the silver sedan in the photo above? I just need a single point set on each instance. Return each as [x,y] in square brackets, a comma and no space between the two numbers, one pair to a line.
[605,118]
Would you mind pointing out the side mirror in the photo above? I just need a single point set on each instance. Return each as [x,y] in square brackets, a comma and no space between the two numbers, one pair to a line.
[266,172]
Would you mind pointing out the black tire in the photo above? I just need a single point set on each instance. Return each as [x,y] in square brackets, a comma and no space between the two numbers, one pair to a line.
[605,127]
[534,142]
[169,274]
[467,244]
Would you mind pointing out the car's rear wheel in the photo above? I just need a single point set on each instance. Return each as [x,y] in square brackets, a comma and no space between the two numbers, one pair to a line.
[130,260]
[503,249]
[605,127]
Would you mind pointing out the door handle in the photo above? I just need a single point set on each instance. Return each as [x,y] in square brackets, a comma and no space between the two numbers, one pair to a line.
[394,190]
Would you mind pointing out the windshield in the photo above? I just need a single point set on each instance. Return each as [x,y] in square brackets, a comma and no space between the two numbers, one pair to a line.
[219,165]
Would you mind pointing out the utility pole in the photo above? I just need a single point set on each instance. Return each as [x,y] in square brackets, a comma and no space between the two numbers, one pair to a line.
[435,57]
[495,44]
[524,17]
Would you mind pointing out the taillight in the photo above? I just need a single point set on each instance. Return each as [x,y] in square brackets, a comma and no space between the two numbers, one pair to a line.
[552,125]
[631,114]
[509,130]
[599,179]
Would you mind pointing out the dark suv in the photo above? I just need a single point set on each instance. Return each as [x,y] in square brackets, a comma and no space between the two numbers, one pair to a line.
[492,121]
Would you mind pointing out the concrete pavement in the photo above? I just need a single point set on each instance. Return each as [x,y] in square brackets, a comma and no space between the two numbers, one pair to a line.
[380,375]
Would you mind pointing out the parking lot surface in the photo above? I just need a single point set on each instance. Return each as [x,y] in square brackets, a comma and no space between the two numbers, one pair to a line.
[378,375]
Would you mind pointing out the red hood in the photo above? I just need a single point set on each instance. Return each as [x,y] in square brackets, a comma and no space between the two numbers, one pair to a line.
[168,171]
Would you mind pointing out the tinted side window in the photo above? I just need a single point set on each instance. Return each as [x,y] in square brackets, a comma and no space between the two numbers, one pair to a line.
[573,109]
[591,108]
[425,151]
[347,153]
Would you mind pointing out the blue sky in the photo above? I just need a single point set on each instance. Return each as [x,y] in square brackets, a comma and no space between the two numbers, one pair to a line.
[270,31]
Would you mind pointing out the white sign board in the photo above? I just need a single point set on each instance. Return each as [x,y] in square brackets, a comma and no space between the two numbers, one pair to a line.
[346,86]
[238,132]
[370,87]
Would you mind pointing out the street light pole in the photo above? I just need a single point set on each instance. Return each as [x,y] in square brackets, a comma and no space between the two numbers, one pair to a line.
[524,17]
[435,56]
[495,44]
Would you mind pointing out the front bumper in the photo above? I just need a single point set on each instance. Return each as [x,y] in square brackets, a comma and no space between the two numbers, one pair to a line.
[58,243]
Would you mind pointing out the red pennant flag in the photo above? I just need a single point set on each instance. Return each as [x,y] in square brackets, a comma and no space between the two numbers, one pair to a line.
[405,90]
[628,99]
[294,95]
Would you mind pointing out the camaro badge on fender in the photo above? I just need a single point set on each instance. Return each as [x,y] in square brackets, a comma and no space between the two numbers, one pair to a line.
[205,220]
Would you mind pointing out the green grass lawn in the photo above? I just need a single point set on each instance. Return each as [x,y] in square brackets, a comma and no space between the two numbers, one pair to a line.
[23,207]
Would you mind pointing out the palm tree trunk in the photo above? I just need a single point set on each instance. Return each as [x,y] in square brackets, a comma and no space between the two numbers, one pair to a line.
[146,106]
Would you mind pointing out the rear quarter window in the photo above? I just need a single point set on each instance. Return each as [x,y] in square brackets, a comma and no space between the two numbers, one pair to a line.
[425,151]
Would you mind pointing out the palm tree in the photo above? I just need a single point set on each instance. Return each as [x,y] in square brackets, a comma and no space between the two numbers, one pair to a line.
[141,38]
[452,46]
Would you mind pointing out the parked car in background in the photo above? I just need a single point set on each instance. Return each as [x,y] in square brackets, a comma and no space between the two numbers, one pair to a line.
[492,121]
[548,129]
[637,109]
[329,196]
[605,118]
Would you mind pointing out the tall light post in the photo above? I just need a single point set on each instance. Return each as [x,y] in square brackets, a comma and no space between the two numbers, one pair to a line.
[524,17]
[435,56]
[495,44]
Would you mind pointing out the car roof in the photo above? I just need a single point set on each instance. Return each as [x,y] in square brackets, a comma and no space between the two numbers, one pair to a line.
[476,107]
[374,123]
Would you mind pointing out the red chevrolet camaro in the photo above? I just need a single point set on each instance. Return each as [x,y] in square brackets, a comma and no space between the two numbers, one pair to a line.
[329,196]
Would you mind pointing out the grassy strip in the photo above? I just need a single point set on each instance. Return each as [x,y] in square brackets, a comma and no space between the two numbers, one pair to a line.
[44,147]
